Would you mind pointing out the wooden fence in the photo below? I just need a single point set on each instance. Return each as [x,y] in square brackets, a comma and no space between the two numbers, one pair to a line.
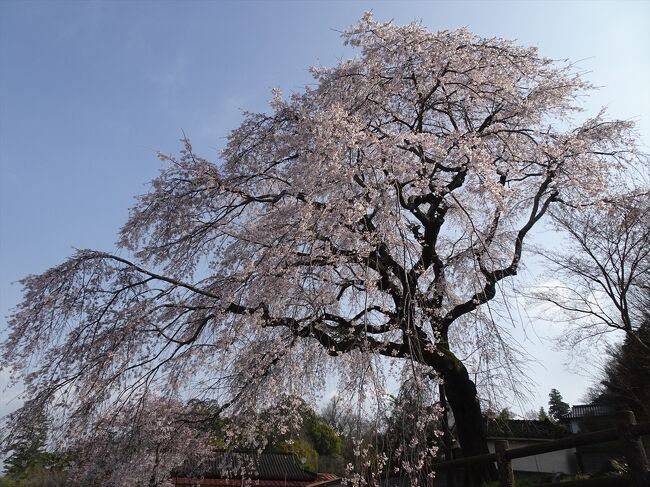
[627,431]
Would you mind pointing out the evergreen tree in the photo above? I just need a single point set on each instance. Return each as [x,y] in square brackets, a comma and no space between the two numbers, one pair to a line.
[556,406]
[27,448]
[627,375]
[505,414]
[29,464]
[541,415]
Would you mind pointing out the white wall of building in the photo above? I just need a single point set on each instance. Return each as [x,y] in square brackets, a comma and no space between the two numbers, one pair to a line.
[561,461]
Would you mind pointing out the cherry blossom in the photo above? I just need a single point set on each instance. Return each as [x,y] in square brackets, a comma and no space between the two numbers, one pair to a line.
[368,218]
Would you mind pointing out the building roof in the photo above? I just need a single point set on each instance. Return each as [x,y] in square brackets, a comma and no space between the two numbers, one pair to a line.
[522,428]
[236,465]
[321,480]
[588,411]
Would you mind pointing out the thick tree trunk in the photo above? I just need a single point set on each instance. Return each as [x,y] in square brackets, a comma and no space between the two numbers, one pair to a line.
[470,426]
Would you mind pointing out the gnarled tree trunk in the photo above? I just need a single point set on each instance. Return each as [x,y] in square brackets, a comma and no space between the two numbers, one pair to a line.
[462,396]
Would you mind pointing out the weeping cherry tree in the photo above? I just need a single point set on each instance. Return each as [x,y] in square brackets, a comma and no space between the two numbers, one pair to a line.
[371,217]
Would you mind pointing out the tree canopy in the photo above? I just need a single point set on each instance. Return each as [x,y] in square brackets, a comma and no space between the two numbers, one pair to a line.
[373,214]
[601,275]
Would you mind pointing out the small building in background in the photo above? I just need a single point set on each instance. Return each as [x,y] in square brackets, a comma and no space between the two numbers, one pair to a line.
[586,418]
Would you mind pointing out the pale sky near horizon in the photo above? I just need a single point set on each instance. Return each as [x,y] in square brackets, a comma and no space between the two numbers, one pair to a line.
[90,90]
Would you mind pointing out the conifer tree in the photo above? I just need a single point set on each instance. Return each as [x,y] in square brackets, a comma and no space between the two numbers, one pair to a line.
[542,415]
[627,375]
[556,406]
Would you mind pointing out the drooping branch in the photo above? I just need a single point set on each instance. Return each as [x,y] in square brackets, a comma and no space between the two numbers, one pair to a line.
[365,216]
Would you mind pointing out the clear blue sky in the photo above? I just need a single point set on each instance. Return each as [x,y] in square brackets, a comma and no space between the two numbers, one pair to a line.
[89,90]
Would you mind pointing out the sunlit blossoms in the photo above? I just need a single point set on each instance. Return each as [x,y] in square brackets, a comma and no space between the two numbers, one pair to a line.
[366,219]
[138,446]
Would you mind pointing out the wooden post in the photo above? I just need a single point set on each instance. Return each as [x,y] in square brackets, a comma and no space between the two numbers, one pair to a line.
[633,450]
[504,466]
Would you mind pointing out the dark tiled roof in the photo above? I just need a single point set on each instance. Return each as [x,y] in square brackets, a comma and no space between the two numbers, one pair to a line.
[521,428]
[255,483]
[588,411]
[265,466]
